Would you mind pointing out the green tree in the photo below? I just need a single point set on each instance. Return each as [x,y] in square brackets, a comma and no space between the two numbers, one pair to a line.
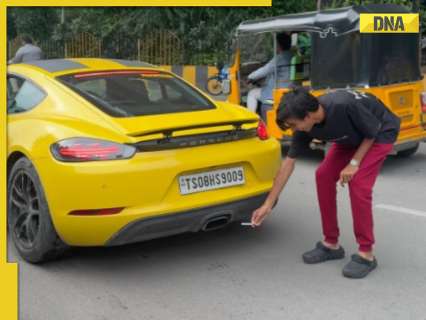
[206,32]
[39,23]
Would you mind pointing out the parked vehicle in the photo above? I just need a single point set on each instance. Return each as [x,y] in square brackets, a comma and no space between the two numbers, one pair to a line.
[339,57]
[108,152]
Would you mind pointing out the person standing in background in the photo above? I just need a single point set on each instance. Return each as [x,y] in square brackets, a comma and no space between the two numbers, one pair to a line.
[27,52]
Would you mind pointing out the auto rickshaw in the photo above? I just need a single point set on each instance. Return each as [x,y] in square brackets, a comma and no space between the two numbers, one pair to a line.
[331,54]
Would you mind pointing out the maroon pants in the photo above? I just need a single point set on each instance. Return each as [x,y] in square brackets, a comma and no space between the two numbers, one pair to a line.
[360,191]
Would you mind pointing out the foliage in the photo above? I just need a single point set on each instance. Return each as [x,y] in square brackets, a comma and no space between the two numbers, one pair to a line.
[39,23]
[206,32]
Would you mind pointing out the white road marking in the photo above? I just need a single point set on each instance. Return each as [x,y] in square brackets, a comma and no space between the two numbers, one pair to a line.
[402,210]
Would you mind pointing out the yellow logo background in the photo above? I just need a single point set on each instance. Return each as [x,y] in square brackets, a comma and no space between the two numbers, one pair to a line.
[389,23]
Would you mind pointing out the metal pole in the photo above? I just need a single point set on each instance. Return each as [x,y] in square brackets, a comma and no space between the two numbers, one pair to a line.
[275,59]
[62,15]
[415,8]
[63,31]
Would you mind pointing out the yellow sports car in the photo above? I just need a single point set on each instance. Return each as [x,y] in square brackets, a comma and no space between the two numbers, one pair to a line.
[106,152]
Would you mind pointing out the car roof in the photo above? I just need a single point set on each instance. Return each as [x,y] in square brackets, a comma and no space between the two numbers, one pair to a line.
[59,67]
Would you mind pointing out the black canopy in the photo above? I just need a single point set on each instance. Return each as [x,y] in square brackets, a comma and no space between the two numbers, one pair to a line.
[341,55]
[343,19]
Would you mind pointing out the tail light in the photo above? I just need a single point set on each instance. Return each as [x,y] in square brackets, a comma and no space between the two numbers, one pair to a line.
[262,131]
[423,101]
[87,149]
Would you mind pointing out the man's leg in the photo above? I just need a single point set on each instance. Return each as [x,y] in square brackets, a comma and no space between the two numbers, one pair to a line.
[327,175]
[252,99]
[264,108]
[360,190]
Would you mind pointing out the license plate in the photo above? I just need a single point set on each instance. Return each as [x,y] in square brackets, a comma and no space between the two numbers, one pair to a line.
[211,180]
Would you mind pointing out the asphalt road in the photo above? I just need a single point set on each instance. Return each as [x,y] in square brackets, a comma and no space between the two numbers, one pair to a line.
[240,273]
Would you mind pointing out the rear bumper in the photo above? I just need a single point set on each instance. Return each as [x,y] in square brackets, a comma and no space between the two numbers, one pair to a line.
[190,221]
[399,146]
[406,145]
[147,186]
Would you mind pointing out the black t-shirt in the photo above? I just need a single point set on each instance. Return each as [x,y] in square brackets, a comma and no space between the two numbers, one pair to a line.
[350,117]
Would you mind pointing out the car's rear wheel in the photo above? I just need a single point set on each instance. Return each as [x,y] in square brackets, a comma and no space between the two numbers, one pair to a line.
[29,222]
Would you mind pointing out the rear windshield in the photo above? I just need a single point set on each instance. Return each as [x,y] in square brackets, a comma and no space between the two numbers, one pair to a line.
[136,93]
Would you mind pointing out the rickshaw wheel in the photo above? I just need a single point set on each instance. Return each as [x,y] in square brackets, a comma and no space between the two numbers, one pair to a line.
[408,152]
[214,86]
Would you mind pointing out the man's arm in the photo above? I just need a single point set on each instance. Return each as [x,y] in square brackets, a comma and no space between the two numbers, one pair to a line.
[262,72]
[18,56]
[299,142]
[349,171]
[363,149]
[367,123]
[281,178]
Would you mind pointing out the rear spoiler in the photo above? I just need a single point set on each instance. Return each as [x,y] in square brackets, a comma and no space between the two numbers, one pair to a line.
[168,131]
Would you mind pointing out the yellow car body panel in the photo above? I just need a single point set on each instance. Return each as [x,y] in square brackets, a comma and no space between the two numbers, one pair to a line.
[147,186]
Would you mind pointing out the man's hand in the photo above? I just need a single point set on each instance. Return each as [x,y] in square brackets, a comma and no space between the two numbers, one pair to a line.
[281,178]
[259,215]
[347,174]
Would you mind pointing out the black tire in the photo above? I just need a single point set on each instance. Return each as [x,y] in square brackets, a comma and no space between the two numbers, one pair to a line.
[214,86]
[408,152]
[28,218]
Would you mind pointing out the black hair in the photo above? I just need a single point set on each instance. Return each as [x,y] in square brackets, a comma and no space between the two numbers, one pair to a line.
[295,105]
[27,39]
[284,41]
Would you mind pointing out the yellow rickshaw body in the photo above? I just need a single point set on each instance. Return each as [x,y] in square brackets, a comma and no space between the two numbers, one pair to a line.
[343,58]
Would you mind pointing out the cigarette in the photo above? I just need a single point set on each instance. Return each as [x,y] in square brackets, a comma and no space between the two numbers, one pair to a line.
[246,224]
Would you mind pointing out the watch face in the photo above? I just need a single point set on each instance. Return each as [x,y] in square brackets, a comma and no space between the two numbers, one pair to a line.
[354,162]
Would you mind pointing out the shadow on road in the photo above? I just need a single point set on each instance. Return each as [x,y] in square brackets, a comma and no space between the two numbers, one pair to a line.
[180,251]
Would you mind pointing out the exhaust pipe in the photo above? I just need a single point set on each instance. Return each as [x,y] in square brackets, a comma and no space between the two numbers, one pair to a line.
[216,223]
